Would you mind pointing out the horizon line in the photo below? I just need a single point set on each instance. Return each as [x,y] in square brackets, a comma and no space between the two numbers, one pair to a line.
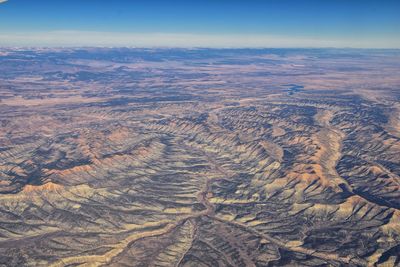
[193,48]
[72,38]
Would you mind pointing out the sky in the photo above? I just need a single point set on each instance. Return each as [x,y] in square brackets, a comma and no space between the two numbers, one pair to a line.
[206,23]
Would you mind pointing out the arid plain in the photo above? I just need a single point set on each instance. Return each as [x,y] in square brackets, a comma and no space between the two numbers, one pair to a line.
[199,157]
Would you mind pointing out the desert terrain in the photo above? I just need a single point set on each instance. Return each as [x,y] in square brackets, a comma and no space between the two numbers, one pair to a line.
[199,157]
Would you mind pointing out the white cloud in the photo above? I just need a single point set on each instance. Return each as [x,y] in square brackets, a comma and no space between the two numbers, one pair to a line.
[3,1]
[88,38]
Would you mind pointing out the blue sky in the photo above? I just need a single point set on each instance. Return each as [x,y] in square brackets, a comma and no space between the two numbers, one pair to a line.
[222,23]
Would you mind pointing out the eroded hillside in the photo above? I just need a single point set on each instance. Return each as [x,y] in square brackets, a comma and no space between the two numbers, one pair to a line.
[134,157]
